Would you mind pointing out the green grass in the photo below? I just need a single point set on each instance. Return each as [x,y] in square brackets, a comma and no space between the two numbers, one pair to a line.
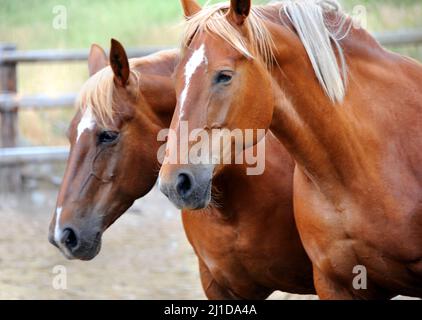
[388,15]
[28,23]
[136,22]
[145,22]
[139,22]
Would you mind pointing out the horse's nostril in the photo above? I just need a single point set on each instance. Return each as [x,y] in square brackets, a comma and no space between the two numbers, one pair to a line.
[184,185]
[69,239]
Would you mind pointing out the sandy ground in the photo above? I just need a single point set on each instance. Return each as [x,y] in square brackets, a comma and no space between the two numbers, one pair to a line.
[145,255]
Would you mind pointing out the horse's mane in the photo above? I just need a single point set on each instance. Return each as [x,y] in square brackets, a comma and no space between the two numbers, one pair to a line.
[97,94]
[307,18]
[212,19]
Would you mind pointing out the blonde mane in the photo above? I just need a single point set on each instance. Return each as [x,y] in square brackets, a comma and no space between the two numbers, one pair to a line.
[97,94]
[307,18]
[212,19]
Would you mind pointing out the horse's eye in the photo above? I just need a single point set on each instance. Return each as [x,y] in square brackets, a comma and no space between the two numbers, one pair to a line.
[107,136]
[223,77]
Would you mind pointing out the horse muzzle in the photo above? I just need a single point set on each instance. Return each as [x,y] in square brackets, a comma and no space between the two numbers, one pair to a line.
[76,244]
[188,188]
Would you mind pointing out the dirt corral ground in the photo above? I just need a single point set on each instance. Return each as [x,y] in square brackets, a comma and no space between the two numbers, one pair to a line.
[145,255]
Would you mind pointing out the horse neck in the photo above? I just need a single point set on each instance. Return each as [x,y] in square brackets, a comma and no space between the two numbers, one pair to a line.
[233,183]
[320,135]
[157,88]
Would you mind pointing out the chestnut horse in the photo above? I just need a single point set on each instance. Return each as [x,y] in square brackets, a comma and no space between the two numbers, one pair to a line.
[347,110]
[113,137]
[246,249]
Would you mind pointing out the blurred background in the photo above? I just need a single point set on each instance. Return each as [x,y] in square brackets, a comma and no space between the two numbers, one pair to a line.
[145,254]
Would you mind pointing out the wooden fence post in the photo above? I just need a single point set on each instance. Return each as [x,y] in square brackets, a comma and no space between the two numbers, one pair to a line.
[10,175]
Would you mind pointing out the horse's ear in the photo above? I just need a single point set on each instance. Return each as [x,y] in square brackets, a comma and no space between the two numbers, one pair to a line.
[190,7]
[119,63]
[239,10]
[97,59]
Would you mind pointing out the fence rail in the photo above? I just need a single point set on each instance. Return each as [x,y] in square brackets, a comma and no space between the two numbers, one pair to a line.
[399,38]
[16,56]
[11,103]
[19,156]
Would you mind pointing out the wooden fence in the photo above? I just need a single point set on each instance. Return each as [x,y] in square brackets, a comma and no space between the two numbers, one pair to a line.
[12,157]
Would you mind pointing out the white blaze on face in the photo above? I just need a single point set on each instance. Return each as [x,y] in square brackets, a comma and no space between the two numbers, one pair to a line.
[57,231]
[87,122]
[197,58]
